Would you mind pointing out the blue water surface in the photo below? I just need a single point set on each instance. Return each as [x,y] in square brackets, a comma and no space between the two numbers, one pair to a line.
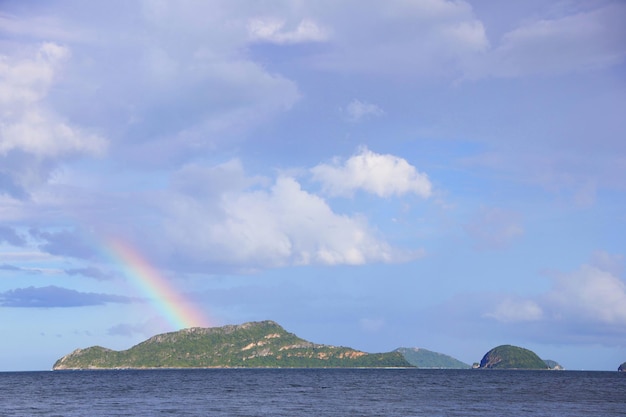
[313,392]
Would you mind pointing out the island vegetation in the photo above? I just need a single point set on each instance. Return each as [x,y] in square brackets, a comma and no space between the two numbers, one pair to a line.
[254,344]
[426,359]
[512,357]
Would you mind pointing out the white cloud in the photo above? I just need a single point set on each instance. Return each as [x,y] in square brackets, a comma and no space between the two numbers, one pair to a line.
[439,38]
[37,132]
[171,80]
[383,175]
[584,41]
[589,294]
[252,225]
[272,31]
[176,82]
[26,81]
[358,110]
[33,138]
[494,228]
[25,122]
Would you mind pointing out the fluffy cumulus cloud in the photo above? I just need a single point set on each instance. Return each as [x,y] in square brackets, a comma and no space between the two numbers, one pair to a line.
[265,225]
[218,216]
[33,138]
[273,31]
[592,295]
[28,125]
[381,174]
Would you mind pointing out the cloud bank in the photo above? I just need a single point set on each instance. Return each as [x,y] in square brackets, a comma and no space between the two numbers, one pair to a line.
[53,296]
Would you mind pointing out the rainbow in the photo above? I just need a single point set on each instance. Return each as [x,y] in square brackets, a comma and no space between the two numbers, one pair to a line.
[179,312]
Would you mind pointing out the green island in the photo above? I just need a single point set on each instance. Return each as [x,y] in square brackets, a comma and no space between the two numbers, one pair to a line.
[250,345]
[426,359]
[513,357]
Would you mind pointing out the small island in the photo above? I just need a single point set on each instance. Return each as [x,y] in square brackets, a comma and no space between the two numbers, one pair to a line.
[513,357]
[622,367]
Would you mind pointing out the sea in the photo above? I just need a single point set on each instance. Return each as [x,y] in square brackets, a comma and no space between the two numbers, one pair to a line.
[313,392]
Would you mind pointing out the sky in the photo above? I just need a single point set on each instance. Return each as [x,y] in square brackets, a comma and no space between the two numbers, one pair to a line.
[442,174]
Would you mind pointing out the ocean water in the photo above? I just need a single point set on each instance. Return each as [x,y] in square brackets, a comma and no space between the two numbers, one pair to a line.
[313,392]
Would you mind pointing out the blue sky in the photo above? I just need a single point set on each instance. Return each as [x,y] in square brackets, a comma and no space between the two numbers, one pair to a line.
[428,173]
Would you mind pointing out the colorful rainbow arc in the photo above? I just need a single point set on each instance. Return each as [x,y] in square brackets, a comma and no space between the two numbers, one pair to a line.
[179,311]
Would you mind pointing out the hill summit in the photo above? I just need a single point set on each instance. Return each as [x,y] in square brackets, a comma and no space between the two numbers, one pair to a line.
[250,345]
[511,357]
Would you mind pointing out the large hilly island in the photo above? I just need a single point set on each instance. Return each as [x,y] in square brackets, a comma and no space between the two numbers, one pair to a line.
[250,345]
[512,357]
[423,358]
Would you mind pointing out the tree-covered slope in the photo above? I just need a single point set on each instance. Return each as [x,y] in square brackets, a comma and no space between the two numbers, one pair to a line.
[423,358]
[255,344]
[511,357]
